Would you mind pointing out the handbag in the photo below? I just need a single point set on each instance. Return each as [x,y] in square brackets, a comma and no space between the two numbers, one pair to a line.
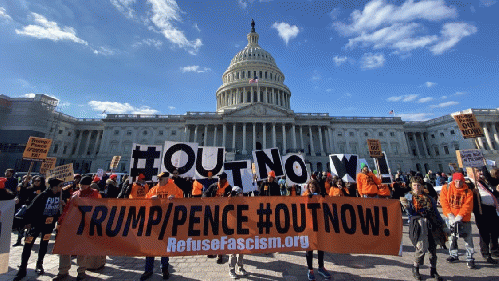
[21,212]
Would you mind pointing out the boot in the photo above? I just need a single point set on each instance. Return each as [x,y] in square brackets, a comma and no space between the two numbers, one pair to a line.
[415,273]
[435,275]
[39,268]
[20,274]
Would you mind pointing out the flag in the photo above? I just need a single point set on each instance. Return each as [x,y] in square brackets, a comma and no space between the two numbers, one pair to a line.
[103,112]
[254,80]
[391,112]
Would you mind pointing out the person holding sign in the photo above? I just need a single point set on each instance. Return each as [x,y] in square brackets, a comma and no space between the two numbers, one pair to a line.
[270,187]
[313,188]
[457,204]
[165,189]
[85,191]
[222,188]
[338,189]
[139,188]
[41,216]
[367,183]
[426,226]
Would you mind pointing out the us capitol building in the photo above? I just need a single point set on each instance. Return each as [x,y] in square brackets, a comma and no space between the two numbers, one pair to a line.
[248,117]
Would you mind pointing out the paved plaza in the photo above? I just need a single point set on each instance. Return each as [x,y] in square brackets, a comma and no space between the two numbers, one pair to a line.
[278,266]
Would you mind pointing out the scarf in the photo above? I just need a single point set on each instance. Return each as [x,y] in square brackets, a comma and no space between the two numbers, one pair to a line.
[422,203]
[481,187]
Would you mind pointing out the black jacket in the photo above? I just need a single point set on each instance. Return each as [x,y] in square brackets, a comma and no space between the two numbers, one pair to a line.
[46,204]
[212,190]
[269,189]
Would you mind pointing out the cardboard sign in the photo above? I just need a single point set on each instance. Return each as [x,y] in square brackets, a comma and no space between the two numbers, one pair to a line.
[239,174]
[7,210]
[468,125]
[100,173]
[209,158]
[37,149]
[180,156]
[114,162]
[374,148]
[146,160]
[383,168]
[47,164]
[227,225]
[64,172]
[453,167]
[345,166]
[267,160]
[296,169]
[470,158]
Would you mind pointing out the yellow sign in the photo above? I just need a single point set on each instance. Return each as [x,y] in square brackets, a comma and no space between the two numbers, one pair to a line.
[37,148]
[114,162]
[469,126]
[64,172]
[374,148]
[47,164]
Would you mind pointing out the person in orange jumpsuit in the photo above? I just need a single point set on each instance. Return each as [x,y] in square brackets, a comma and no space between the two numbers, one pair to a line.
[338,189]
[457,204]
[139,188]
[367,183]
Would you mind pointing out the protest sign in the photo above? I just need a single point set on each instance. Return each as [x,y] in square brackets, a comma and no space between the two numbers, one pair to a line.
[295,168]
[345,166]
[146,160]
[267,160]
[364,161]
[100,173]
[47,164]
[374,148]
[453,167]
[209,158]
[114,162]
[6,219]
[37,149]
[239,174]
[64,172]
[468,125]
[383,168]
[245,225]
[180,156]
[470,158]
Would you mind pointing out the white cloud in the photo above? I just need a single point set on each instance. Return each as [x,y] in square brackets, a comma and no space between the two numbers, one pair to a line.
[316,76]
[384,25]
[120,108]
[371,61]
[473,10]
[430,84]
[196,27]
[149,42]
[164,13]
[171,107]
[329,90]
[414,116]
[423,100]
[105,51]
[445,104]
[460,93]
[286,31]
[487,3]
[124,6]
[451,34]
[404,98]
[242,4]
[3,14]
[339,60]
[30,95]
[49,30]
[194,68]
[444,97]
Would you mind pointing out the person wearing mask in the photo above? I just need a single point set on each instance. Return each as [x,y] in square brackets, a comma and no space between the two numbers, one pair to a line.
[486,210]
[270,187]
[426,228]
[457,204]
[236,258]
[165,189]
[222,188]
[313,189]
[65,260]
[139,188]
[367,183]
[40,218]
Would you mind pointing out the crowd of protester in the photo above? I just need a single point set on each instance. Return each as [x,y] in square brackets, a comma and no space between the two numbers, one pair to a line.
[41,205]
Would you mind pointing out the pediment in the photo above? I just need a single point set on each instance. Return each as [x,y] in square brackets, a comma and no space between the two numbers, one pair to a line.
[258,110]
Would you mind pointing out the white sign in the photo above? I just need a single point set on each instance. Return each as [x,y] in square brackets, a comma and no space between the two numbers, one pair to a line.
[146,160]
[383,168]
[6,218]
[296,169]
[345,166]
[472,158]
[180,156]
[209,158]
[239,174]
[100,173]
[267,160]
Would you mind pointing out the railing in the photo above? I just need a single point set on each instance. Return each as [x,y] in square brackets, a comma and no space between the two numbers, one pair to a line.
[312,114]
[201,113]
[148,116]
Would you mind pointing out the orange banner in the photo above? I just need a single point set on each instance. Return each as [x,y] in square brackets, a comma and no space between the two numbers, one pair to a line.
[201,226]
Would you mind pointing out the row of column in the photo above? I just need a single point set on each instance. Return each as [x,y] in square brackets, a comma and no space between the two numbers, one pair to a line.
[87,142]
[263,94]
[491,139]
[424,152]
[323,150]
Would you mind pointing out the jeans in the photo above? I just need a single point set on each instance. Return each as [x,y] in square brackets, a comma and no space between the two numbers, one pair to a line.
[468,242]
[150,263]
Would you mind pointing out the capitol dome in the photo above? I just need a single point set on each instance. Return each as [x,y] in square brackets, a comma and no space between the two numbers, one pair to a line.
[255,63]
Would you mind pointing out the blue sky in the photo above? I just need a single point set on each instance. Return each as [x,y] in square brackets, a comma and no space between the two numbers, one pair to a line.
[423,59]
